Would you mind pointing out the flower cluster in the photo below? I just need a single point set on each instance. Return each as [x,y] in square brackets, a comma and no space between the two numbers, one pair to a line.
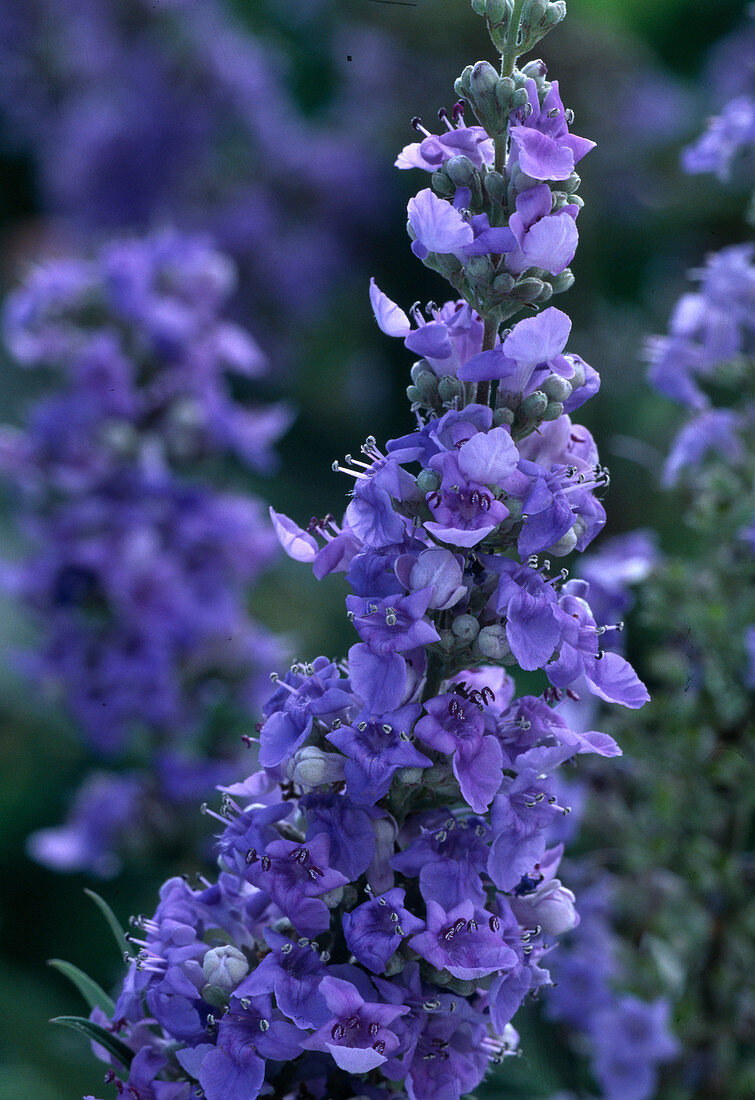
[387,893]
[134,112]
[628,1037]
[709,331]
[137,572]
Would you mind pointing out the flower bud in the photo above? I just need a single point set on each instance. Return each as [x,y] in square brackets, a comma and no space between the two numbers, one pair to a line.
[463,173]
[551,906]
[333,898]
[556,388]
[224,967]
[440,568]
[533,406]
[503,416]
[466,628]
[409,777]
[449,388]
[503,284]
[562,282]
[492,643]
[427,482]
[310,767]
[526,290]
[565,544]
[495,186]
[578,378]
[554,410]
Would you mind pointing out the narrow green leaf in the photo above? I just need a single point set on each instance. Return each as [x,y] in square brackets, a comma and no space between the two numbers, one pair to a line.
[110,917]
[98,1034]
[93,994]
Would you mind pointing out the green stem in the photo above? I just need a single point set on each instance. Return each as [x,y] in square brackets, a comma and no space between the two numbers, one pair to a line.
[488,343]
[433,677]
[509,56]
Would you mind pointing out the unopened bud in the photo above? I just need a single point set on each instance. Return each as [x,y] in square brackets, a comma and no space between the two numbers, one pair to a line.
[462,173]
[556,388]
[503,416]
[527,290]
[449,388]
[224,967]
[562,282]
[533,406]
[333,898]
[565,544]
[554,410]
[428,481]
[466,628]
[310,767]
[492,643]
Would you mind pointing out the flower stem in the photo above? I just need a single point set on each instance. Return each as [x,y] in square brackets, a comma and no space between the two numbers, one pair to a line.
[509,56]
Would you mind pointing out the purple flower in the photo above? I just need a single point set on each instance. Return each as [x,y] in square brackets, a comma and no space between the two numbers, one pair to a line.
[459,140]
[323,693]
[357,1034]
[377,748]
[437,226]
[296,876]
[456,726]
[545,149]
[465,940]
[543,239]
[726,136]
[375,930]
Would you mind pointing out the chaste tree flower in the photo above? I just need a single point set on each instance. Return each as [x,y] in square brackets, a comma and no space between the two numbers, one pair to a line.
[138,568]
[388,894]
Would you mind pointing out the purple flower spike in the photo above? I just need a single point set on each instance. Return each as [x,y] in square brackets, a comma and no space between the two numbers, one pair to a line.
[455,726]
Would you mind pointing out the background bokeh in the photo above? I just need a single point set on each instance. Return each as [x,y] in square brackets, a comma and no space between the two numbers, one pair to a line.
[638,75]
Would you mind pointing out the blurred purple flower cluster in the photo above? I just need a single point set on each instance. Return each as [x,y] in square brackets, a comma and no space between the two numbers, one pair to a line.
[136,113]
[388,894]
[627,1038]
[138,569]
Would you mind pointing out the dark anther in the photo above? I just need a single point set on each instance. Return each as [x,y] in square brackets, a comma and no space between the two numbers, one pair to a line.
[494,923]
[374,1029]
[379,1046]
[352,1022]
[338,1032]
[251,856]
[314,873]
[266,863]
[417,124]
[460,925]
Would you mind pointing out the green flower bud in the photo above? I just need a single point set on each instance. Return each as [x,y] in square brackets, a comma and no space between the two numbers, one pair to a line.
[427,384]
[565,544]
[514,506]
[527,290]
[578,378]
[554,410]
[556,388]
[448,641]
[503,416]
[533,406]
[479,272]
[419,368]
[449,266]
[492,643]
[503,284]
[495,187]
[462,173]
[224,967]
[545,293]
[466,628]
[562,282]
[449,388]
[441,184]
[428,481]
[414,395]
[333,898]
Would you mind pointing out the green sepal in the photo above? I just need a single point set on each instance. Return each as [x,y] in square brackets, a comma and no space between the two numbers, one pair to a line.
[93,994]
[97,1034]
[112,920]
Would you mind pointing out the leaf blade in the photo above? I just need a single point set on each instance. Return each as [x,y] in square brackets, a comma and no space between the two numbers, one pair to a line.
[97,1034]
[93,994]
[110,917]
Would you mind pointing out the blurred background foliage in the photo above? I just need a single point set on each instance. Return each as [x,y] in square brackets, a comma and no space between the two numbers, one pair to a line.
[636,73]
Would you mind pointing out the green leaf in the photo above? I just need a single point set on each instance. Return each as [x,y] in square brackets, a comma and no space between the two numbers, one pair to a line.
[110,917]
[92,993]
[98,1034]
